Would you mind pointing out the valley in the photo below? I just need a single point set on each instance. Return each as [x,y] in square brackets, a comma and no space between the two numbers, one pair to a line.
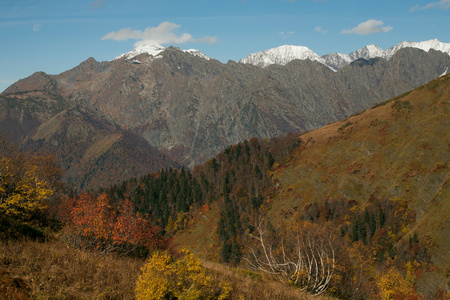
[293,178]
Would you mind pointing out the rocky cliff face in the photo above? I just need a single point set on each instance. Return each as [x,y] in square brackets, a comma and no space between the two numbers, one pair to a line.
[191,108]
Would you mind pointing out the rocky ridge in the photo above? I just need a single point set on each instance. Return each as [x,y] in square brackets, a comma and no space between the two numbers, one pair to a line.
[190,108]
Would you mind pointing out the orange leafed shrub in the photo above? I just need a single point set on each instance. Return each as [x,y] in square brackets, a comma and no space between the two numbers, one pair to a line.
[93,222]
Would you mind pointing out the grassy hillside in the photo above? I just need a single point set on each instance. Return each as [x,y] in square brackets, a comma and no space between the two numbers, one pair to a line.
[396,150]
[52,270]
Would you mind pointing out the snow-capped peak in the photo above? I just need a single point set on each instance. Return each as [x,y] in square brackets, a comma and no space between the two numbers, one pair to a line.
[196,52]
[335,61]
[367,52]
[425,46]
[151,49]
[154,50]
[280,56]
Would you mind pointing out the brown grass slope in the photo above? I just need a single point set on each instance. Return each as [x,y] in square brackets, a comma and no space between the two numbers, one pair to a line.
[52,270]
[397,149]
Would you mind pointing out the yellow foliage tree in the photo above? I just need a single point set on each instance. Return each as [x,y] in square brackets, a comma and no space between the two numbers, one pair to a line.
[164,277]
[22,192]
[26,181]
[393,285]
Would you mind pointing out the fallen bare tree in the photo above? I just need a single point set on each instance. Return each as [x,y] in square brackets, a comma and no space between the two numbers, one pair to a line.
[303,255]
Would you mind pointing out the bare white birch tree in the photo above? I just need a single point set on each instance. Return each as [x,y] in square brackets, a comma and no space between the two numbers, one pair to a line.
[304,256]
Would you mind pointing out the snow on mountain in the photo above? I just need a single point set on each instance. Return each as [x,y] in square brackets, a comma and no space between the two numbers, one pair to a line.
[154,50]
[195,52]
[151,49]
[367,52]
[425,46]
[281,56]
[335,61]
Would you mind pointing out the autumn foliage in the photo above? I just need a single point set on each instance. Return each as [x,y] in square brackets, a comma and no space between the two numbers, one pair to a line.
[22,192]
[165,277]
[95,223]
[27,183]
[345,249]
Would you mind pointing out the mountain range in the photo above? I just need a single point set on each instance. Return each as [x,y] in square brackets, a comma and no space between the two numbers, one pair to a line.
[173,107]
[335,61]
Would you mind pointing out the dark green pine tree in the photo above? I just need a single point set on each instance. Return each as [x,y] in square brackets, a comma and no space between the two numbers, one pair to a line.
[246,148]
[355,230]
[270,160]
[214,165]
[235,255]
[381,217]
[225,252]
[372,225]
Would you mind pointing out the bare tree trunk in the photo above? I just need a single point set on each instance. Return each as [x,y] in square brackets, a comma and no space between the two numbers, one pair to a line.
[307,260]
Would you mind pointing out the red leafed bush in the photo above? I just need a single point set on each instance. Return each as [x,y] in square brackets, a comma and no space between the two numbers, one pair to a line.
[95,223]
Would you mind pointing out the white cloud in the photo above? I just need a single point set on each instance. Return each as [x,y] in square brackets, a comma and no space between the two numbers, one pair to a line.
[285,34]
[162,34]
[368,27]
[320,29]
[443,4]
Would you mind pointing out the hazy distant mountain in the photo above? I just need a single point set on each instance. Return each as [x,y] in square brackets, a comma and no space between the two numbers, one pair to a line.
[335,61]
[189,108]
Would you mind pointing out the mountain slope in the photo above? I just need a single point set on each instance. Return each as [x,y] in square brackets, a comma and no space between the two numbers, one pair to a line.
[398,149]
[193,108]
[390,149]
[91,149]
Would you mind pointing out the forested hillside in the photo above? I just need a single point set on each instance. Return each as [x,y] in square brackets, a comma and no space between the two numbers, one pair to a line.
[377,181]
[358,209]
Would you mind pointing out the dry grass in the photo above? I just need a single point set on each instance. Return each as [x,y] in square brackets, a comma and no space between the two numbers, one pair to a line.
[249,285]
[51,270]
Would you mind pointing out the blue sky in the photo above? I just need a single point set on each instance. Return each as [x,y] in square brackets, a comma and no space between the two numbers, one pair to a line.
[56,35]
